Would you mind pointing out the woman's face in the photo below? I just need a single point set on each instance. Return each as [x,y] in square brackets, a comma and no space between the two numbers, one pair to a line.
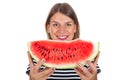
[61,27]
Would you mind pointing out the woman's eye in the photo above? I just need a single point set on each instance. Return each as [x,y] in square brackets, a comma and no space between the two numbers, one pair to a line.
[55,24]
[69,24]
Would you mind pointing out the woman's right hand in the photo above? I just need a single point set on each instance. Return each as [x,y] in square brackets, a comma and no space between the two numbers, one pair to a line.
[35,73]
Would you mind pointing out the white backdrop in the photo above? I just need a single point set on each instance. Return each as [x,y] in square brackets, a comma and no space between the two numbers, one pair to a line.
[23,20]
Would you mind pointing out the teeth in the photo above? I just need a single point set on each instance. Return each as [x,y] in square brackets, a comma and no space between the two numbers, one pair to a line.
[62,37]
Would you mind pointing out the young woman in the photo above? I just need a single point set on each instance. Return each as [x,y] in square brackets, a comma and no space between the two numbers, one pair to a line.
[62,24]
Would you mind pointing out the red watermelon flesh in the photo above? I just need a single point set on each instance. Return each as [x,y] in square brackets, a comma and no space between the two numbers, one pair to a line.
[63,54]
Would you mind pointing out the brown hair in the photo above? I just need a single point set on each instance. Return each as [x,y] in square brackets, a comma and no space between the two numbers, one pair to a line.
[67,10]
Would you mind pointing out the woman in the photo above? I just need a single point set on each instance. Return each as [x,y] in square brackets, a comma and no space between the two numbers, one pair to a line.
[62,24]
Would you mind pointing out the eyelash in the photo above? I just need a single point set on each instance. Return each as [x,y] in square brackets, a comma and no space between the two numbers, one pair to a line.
[55,24]
[69,24]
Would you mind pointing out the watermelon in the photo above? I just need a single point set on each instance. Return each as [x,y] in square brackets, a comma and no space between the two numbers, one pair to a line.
[63,54]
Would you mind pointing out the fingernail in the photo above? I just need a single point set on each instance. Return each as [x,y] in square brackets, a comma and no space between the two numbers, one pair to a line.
[27,51]
[43,60]
[88,61]
[80,64]
[53,69]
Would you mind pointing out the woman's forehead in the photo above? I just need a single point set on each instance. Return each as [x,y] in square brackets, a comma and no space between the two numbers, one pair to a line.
[59,17]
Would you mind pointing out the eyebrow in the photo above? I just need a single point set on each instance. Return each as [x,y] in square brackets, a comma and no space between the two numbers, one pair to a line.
[65,22]
[54,21]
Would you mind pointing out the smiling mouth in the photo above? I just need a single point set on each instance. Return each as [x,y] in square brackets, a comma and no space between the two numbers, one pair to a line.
[63,37]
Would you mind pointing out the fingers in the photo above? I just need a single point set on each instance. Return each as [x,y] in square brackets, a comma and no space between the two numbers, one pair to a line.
[32,64]
[40,63]
[44,74]
[92,65]
[81,70]
[92,68]
[90,72]
[48,71]
[86,73]
[80,73]
[36,73]
[30,60]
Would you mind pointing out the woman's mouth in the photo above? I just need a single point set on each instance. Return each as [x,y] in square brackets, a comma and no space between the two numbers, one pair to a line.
[63,37]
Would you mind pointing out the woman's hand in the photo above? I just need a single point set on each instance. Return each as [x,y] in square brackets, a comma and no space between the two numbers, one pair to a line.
[35,73]
[90,73]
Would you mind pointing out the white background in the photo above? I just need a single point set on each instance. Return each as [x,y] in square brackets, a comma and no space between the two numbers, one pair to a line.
[23,20]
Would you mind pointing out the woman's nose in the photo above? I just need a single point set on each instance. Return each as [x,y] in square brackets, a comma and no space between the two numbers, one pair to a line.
[62,29]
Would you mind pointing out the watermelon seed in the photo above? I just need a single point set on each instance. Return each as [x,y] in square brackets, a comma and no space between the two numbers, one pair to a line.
[66,51]
[42,53]
[53,49]
[61,57]
[37,45]
[56,49]
[75,49]
[58,58]
[69,48]
[48,52]
[73,55]
[61,50]
[45,49]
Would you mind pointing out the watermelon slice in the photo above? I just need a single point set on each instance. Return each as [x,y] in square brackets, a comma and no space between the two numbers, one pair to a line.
[63,54]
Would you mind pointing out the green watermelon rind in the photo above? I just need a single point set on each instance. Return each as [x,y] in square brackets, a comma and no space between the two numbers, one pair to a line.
[67,66]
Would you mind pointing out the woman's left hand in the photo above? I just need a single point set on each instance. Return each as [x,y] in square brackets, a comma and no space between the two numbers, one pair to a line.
[90,73]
